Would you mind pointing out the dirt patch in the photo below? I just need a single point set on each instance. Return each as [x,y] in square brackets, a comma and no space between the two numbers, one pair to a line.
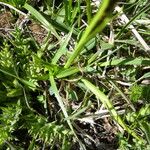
[37,31]
[6,19]
[8,23]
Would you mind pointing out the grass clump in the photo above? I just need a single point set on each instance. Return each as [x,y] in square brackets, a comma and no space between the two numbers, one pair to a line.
[74,75]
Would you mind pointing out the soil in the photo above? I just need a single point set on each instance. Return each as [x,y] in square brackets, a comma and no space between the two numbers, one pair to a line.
[6,20]
[8,23]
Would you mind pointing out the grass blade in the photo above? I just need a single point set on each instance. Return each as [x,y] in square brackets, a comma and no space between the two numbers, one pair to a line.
[41,19]
[89,10]
[28,83]
[108,104]
[125,62]
[62,106]
[62,50]
[67,72]
[12,7]
[146,8]
[56,93]
[97,25]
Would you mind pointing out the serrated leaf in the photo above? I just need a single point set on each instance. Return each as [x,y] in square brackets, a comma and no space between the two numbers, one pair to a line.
[14,92]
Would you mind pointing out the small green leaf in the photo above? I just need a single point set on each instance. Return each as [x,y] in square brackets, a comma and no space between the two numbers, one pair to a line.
[28,83]
[14,92]
[67,72]
[105,46]
[136,93]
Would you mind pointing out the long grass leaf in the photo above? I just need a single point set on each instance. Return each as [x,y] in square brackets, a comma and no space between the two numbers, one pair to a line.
[89,10]
[56,93]
[146,8]
[62,50]
[108,104]
[41,19]
[67,72]
[12,7]
[28,83]
[125,62]
[60,25]
[62,106]
[97,25]
[122,94]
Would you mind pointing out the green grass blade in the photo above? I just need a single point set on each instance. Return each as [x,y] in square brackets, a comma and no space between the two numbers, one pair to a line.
[67,14]
[41,19]
[60,25]
[67,72]
[146,128]
[62,50]
[56,93]
[14,8]
[97,25]
[9,74]
[27,83]
[146,75]
[108,104]
[88,10]
[101,58]
[122,94]
[78,113]
[146,8]
[62,106]
[125,62]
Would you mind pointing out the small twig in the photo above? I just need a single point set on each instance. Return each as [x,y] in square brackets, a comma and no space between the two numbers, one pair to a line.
[6,29]
[97,115]
[124,83]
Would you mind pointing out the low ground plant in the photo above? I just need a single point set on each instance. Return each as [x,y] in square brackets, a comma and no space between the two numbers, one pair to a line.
[74,74]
